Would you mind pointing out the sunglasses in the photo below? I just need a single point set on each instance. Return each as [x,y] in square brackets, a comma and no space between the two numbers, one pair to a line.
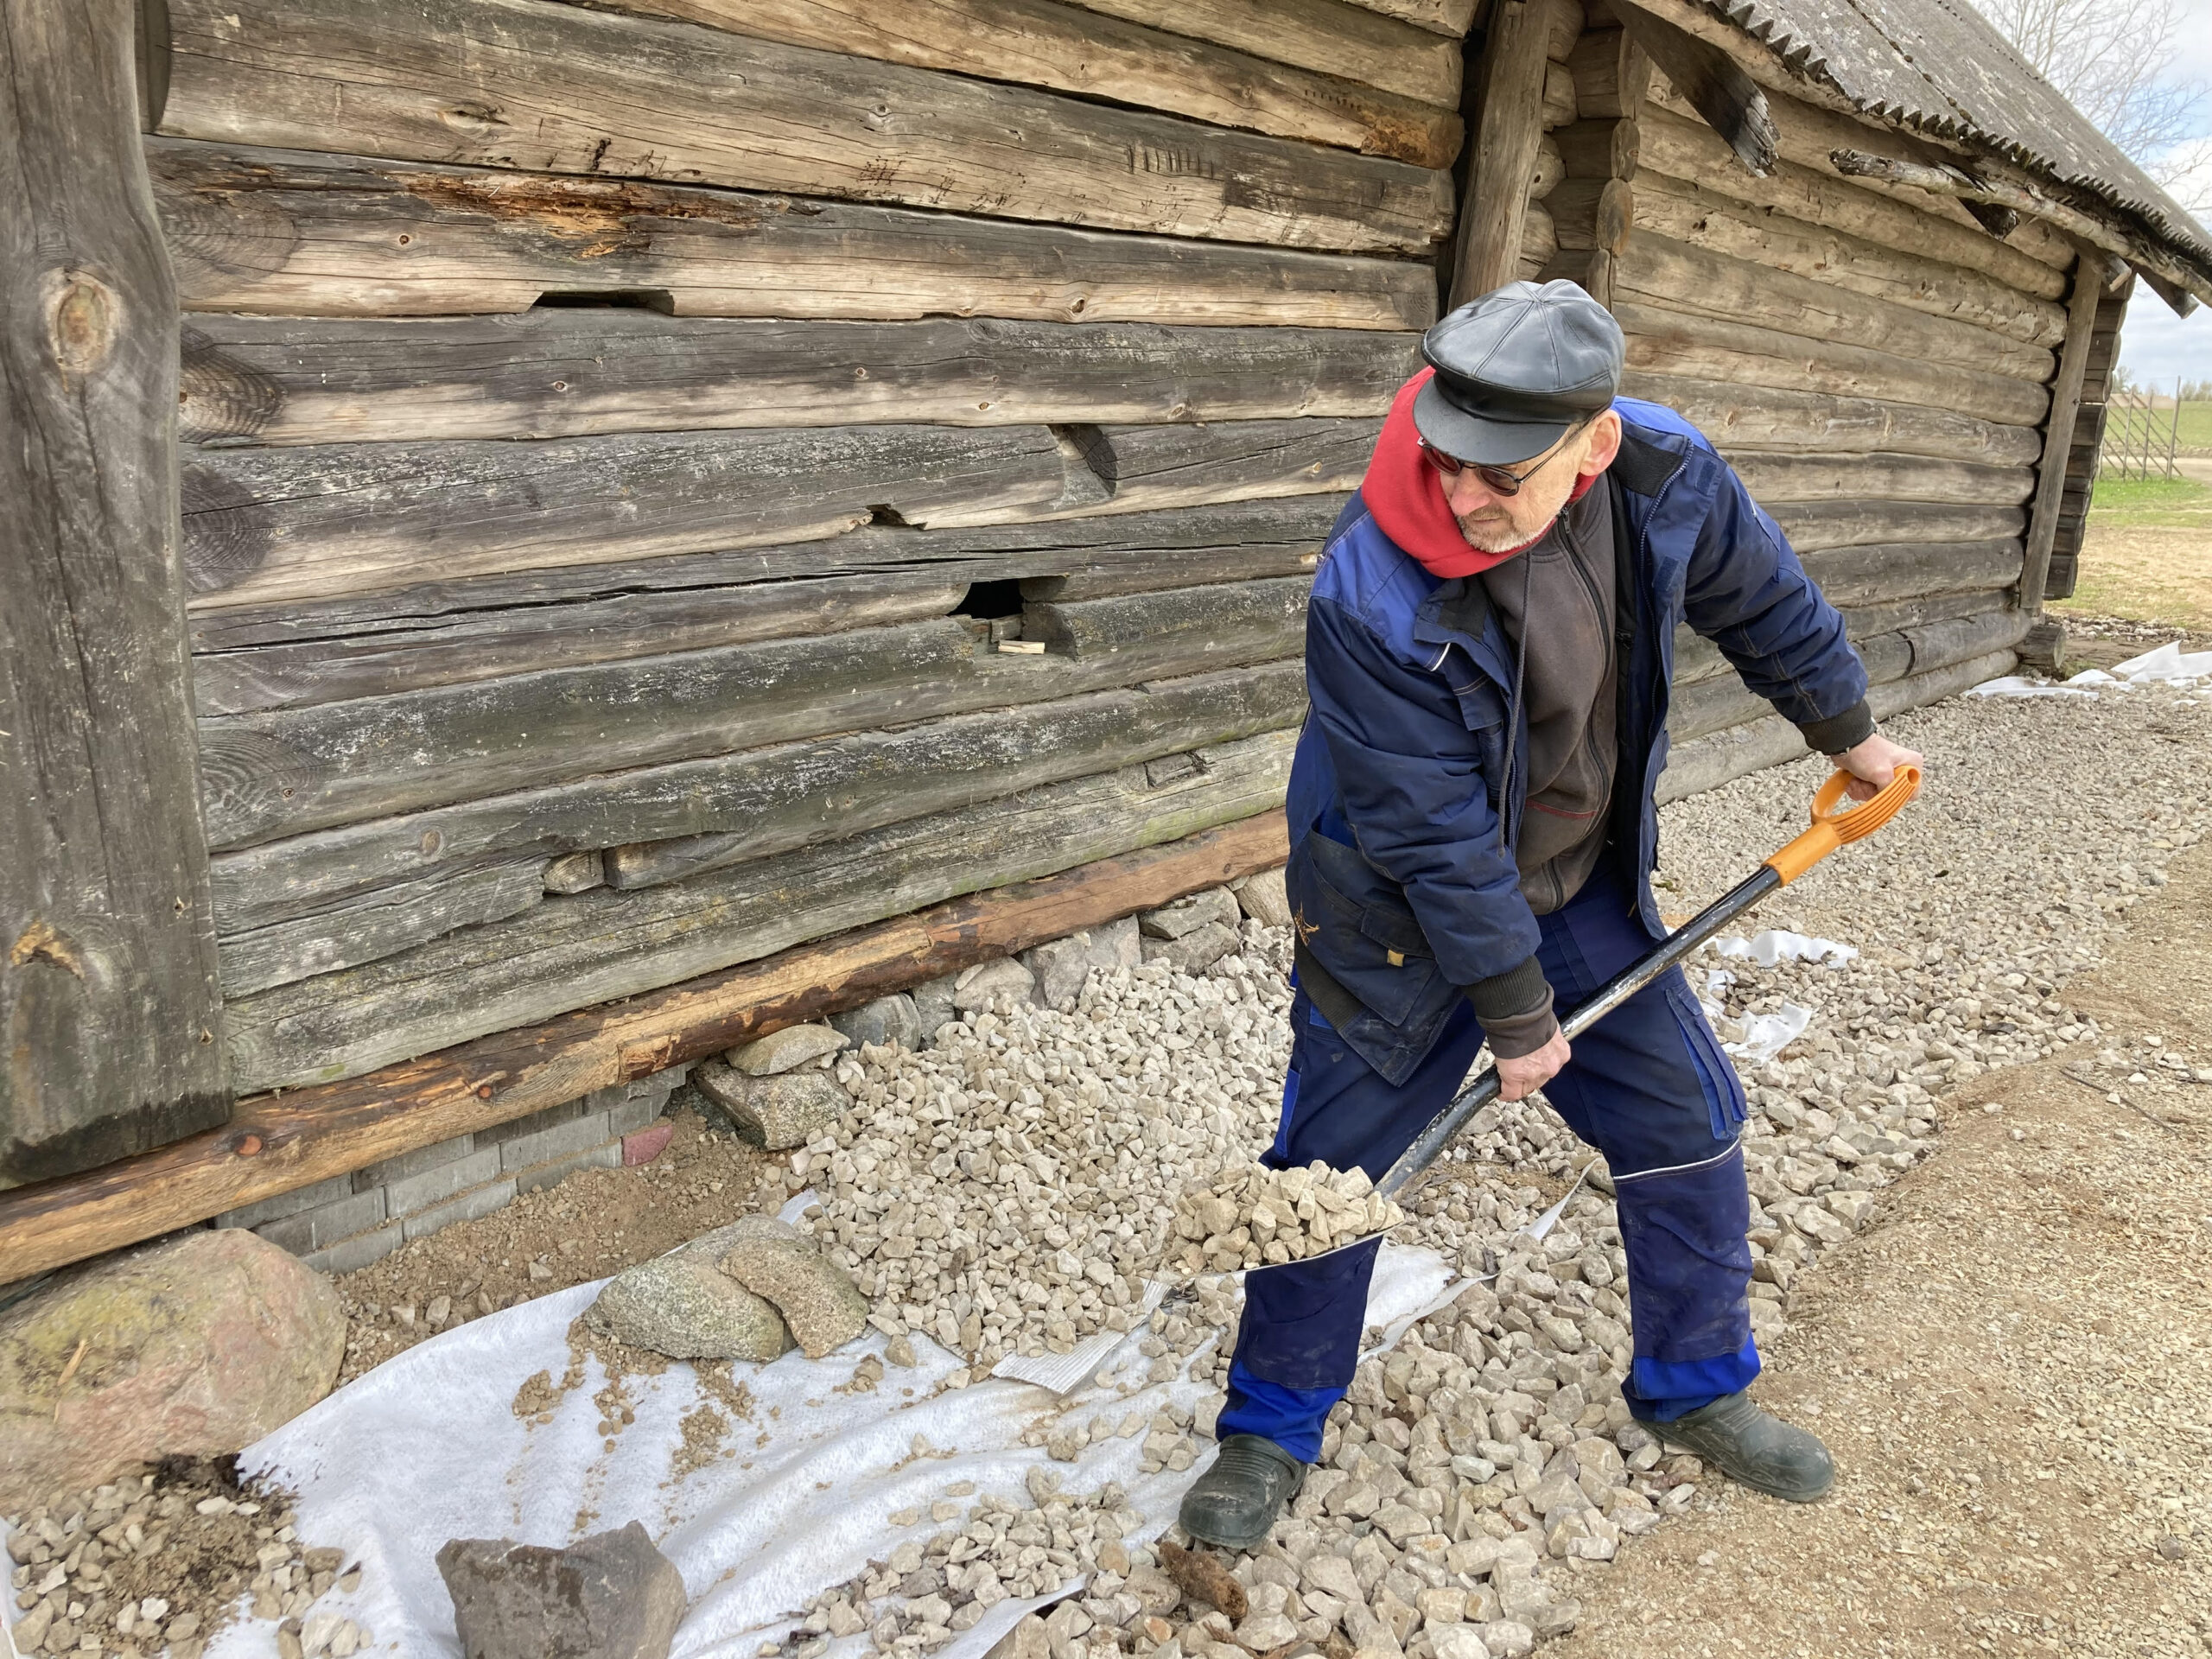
[1496,479]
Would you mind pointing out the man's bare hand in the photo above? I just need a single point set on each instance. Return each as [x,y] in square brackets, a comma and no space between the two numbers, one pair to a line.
[1532,1071]
[1873,765]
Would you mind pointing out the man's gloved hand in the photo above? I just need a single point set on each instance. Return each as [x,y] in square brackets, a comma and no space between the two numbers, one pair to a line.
[1530,1072]
[1871,764]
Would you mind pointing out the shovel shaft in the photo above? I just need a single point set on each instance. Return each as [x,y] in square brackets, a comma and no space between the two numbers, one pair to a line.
[1616,991]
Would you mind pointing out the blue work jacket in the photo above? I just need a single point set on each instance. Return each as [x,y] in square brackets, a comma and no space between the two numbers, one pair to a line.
[1401,875]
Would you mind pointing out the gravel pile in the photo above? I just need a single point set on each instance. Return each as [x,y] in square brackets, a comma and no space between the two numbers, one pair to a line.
[1479,1467]
[158,1563]
[1255,1215]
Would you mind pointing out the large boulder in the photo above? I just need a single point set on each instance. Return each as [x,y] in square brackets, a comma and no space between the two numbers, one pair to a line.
[611,1596]
[824,1309]
[194,1347]
[1262,898]
[683,1305]
[778,1112]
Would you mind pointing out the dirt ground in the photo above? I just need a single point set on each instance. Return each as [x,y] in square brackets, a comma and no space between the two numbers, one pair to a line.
[2013,1366]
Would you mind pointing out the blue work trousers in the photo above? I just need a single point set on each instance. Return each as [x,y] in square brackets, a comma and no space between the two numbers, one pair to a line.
[1648,1086]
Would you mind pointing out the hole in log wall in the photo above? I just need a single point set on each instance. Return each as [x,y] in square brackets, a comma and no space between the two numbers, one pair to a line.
[612,299]
[988,601]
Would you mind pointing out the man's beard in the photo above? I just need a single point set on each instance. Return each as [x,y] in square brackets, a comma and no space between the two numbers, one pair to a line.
[1502,538]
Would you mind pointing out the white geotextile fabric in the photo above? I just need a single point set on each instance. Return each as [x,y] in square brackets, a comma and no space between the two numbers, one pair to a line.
[1765,1035]
[2169,664]
[427,1447]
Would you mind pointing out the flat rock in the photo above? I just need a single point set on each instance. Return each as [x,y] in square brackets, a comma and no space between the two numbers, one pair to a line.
[979,986]
[611,1596]
[1215,906]
[681,1306]
[933,1004]
[194,1347]
[824,1309]
[1062,965]
[894,1019]
[778,1112]
[1193,951]
[785,1050]
[1262,898]
[1507,1639]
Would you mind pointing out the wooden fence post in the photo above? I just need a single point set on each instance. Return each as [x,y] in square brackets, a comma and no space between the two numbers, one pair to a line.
[2058,429]
[111,1034]
[1507,134]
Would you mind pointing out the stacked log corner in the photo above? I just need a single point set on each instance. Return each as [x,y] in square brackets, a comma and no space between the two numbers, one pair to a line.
[108,988]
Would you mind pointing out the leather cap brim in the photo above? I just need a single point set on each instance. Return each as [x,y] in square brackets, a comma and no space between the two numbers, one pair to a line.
[1478,440]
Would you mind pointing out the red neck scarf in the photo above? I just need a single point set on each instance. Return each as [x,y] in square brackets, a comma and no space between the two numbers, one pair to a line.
[1406,495]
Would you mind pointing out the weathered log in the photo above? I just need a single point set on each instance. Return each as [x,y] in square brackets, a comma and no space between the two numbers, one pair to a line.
[1775,478]
[1539,237]
[1882,574]
[571,952]
[381,924]
[1812,526]
[1734,107]
[1551,168]
[1704,218]
[1045,43]
[566,372]
[1451,18]
[531,638]
[1696,347]
[278,1143]
[764,803]
[1599,148]
[1698,659]
[1592,213]
[285,232]
[552,88]
[1150,468]
[1660,272]
[286,771]
[108,991]
[1559,107]
[2065,401]
[1149,549]
[1690,149]
[1711,762]
[1324,36]
[1509,132]
[266,525]
[1564,23]
[1610,74]
[1738,417]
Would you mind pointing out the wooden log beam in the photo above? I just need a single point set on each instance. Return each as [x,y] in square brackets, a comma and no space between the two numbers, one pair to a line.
[1704,217]
[1659,272]
[585,948]
[2065,404]
[1046,43]
[551,88]
[1690,346]
[1599,148]
[2180,284]
[1448,18]
[1538,238]
[1734,109]
[288,233]
[1509,132]
[108,988]
[1780,478]
[262,525]
[569,372]
[1122,553]
[1592,214]
[1708,762]
[1739,418]
[1551,168]
[1559,106]
[1814,526]
[278,1143]
[1323,35]
[287,772]
[1684,149]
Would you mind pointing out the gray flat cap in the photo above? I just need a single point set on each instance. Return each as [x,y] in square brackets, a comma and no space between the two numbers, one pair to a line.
[1515,369]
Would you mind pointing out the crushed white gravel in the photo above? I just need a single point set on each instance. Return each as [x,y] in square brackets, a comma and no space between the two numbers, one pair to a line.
[1009,1188]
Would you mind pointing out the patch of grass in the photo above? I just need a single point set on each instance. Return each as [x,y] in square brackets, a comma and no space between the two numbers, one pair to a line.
[2145,503]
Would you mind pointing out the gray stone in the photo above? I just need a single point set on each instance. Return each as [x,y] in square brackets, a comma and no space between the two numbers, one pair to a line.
[612,1596]
[1193,951]
[1063,965]
[980,985]
[933,1005]
[889,1019]
[1213,907]
[1261,898]
[785,1050]
[1507,1639]
[1458,1641]
[680,1305]
[824,1309]
[777,1112]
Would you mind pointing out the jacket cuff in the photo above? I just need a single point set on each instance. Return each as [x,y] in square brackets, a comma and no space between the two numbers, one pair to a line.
[1839,732]
[1515,1010]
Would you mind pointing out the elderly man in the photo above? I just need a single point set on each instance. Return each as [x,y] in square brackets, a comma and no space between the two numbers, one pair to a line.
[1473,831]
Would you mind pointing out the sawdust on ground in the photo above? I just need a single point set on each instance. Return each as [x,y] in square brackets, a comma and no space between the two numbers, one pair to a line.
[2012,1365]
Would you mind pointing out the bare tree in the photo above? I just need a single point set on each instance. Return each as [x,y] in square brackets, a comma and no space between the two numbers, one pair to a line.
[2111,59]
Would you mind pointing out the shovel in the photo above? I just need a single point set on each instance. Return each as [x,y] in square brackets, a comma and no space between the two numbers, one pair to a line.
[1831,829]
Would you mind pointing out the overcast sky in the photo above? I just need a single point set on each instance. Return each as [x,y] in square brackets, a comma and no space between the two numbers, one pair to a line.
[2154,346]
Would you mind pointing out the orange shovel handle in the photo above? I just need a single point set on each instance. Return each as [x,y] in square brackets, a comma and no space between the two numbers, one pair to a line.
[1832,829]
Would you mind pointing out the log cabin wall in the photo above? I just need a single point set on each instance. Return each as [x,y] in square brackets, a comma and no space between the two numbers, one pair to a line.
[664,484]
[1875,363]
[2087,447]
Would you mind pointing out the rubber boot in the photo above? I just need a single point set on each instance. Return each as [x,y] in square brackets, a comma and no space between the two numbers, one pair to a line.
[1234,1504]
[1755,1447]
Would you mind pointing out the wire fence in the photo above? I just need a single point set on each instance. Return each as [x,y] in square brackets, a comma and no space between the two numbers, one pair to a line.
[2141,440]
